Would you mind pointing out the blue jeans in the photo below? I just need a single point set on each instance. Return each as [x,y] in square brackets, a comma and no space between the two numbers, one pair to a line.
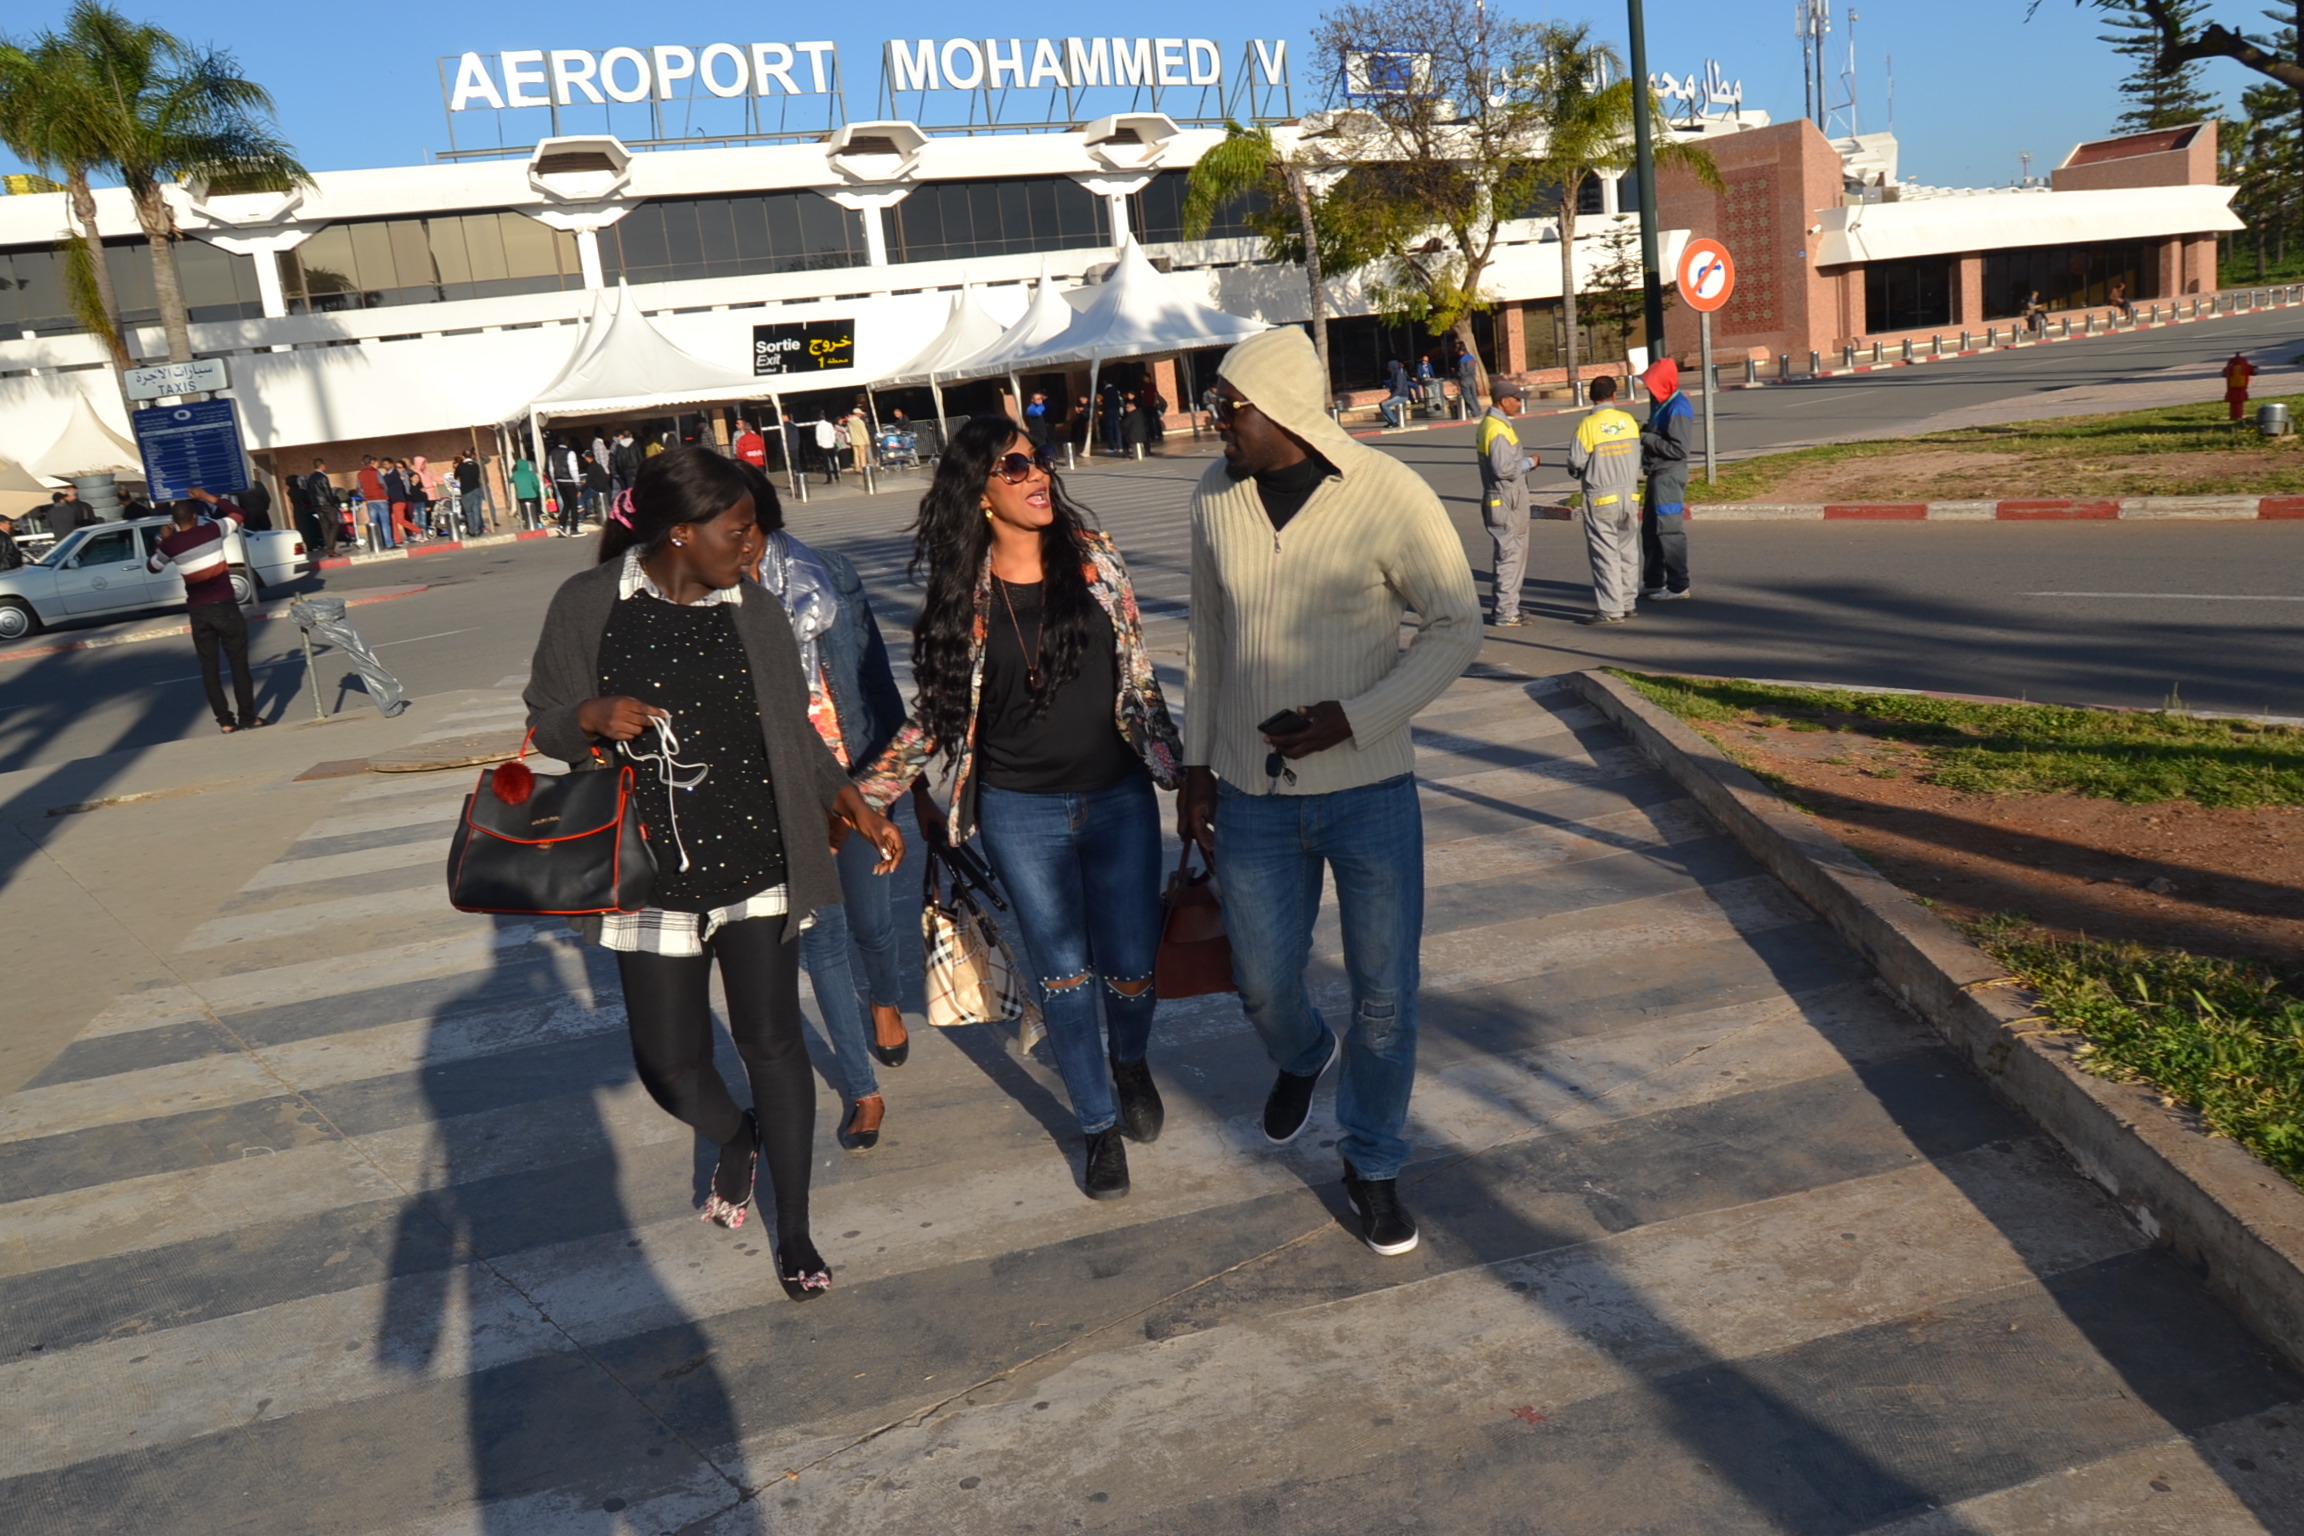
[862,927]
[1270,853]
[1082,877]
[468,502]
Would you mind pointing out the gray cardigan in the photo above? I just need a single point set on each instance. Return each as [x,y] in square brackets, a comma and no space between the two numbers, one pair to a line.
[806,777]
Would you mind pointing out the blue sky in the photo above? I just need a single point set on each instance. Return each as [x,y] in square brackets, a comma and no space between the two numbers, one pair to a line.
[1975,83]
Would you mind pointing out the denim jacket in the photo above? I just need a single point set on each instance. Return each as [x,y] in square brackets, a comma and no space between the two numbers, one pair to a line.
[1140,710]
[856,670]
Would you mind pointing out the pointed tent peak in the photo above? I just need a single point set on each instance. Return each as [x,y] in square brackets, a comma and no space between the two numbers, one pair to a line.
[1043,320]
[969,330]
[87,446]
[625,362]
[1139,312]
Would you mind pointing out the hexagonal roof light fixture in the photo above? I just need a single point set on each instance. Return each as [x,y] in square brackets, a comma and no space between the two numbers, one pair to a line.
[580,168]
[868,152]
[221,200]
[1130,141]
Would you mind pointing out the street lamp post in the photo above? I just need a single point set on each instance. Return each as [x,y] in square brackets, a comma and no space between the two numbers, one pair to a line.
[1644,168]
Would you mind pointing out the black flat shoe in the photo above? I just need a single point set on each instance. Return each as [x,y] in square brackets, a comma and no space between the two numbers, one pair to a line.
[802,1270]
[861,1141]
[1105,1177]
[890,1055]
[1141,1112]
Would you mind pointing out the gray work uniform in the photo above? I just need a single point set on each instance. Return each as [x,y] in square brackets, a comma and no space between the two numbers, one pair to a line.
[1605,456]
[1504,506]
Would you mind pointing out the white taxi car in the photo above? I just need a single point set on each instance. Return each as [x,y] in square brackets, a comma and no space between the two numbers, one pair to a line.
[101,570]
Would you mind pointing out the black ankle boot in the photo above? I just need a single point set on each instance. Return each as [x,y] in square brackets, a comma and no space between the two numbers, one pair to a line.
[1141,1112]
[1107,1170]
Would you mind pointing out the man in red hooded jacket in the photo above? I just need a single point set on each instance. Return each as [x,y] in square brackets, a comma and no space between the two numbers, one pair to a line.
[1664,447]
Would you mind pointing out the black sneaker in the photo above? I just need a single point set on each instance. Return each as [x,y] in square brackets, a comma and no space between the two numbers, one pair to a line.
[1141,1112]
[1385,1224]
[1107,1170]
[1290,1101]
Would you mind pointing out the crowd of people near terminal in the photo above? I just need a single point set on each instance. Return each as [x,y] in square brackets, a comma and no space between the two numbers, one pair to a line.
[742,676]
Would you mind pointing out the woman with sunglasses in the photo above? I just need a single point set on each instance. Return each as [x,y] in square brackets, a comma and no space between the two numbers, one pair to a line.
[1034,685]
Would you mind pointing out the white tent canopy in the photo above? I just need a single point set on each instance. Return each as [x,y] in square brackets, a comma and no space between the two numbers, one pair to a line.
[969,331]
[622,362]
[88,447]
[1137,313]
[1047,318]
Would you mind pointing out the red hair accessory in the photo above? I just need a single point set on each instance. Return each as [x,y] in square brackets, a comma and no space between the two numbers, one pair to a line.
[622,510]
[513,782]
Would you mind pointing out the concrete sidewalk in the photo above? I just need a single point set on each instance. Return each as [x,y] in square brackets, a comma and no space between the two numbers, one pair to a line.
[343,1214]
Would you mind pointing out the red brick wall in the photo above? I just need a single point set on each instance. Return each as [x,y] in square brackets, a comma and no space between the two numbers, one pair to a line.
[1777,178]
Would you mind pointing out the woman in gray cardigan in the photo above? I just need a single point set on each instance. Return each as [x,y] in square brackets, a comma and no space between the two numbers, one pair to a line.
[666,652]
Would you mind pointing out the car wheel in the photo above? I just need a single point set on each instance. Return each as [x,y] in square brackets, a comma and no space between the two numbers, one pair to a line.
[246,588]
[17,620]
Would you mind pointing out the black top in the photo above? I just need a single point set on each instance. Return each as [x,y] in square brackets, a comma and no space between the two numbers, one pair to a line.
[690,661]
[1075,748]
[1284,491]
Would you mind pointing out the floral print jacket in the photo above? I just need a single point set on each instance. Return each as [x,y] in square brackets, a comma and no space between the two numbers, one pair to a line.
[1139,710]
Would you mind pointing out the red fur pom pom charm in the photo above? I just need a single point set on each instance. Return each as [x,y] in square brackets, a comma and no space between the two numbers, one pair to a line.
[512,782]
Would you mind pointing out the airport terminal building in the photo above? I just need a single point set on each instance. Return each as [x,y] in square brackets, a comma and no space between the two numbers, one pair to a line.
[420,309]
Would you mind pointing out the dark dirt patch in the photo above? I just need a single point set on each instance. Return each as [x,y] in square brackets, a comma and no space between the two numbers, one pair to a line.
[2225,880]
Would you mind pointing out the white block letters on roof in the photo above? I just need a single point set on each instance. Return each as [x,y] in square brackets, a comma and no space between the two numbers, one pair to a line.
[570,77]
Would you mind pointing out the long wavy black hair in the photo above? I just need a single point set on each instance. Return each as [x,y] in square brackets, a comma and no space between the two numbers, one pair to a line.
[679,485]
[949,543]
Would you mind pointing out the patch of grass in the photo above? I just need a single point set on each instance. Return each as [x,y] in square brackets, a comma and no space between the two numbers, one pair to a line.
[2222,1037]
[2140,757]
[2131,447]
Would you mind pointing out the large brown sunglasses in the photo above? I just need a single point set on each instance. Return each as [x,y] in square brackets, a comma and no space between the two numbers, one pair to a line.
[1015,467]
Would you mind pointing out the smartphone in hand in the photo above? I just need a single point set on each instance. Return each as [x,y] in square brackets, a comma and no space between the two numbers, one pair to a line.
[1287,722]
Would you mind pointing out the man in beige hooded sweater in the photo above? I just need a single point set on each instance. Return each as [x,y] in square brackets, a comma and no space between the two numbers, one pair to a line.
[1307,552]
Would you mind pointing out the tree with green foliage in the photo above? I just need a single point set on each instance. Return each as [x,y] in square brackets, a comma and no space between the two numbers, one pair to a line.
[2158,95]
[1586,106]
[2263,156]
[1249,166]
[48,111]
[152,109]
[2183,40]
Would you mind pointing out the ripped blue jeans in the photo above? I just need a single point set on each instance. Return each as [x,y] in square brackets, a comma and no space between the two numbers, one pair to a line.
[1082,878]
[1271,855]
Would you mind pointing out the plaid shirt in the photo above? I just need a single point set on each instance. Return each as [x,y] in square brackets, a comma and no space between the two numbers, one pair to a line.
[653,930]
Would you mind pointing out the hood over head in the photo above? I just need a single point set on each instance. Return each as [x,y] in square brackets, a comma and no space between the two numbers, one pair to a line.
[1279,373]
[1662,378]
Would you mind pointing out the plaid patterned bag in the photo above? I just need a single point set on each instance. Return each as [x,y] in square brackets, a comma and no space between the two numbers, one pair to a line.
[971,976]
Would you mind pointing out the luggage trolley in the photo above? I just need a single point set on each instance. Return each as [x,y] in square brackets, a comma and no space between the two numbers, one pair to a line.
[899,450]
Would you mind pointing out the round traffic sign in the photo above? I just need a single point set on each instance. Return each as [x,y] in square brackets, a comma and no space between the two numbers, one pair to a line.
[1707,276]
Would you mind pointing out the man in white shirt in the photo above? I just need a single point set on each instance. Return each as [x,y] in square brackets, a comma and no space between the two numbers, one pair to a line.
[828,448]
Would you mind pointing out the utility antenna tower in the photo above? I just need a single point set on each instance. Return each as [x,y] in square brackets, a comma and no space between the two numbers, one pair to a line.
[1811,23]
[1843,114]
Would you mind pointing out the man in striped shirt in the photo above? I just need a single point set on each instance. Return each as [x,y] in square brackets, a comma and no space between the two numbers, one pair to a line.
[194,545]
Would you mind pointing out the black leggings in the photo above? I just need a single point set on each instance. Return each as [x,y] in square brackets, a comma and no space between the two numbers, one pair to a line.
[667,1002]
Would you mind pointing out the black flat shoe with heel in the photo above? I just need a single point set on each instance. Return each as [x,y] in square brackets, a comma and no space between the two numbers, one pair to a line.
[890,1055]
[731,1193]
[801,1270]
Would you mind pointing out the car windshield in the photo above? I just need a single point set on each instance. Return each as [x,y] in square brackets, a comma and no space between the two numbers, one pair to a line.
[61,548]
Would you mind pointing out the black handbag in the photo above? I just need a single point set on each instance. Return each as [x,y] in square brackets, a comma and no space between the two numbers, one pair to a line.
[550,845]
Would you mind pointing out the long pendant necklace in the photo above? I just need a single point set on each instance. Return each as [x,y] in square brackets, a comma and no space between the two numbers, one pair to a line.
[1039,623]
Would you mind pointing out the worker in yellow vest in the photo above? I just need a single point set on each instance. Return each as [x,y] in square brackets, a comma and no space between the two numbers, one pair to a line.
[1504,470]
[1605,457]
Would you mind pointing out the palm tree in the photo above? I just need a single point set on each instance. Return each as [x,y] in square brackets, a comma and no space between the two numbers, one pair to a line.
[1588,133]
[1246,163]
[170,111]
[48,109]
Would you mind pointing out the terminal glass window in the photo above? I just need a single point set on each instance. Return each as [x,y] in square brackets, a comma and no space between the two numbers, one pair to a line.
[1156,214]
[373,263]
[2068,276]
[953,220]
[677,239]
[1908,295]
[217,286]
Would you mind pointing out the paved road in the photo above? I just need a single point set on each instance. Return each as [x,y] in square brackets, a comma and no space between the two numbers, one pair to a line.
[355,1222]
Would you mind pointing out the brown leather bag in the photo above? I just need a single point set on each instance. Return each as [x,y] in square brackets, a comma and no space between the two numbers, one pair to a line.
[1195,957]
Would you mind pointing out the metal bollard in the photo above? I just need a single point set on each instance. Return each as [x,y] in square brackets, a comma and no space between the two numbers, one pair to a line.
[1937,342]
[1875,354]
[1992,337]
[1848,355]
[1815,363]
[871,486]
[1136,450]
[1963,341]
[1907,349]
[1783,365]
[1751,370]
[1071,460]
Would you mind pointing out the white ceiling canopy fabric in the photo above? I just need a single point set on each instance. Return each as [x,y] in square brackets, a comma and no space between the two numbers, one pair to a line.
[1047,318]
[970,330]
[1138,312]
[88,447]
[622,362]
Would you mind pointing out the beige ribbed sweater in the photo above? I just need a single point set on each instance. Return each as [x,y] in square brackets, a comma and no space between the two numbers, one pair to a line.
[1312,612]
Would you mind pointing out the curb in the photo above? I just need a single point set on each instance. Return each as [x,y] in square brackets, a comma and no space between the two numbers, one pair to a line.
[430,547]
[165,631]
[2112,509]
[2237,1222]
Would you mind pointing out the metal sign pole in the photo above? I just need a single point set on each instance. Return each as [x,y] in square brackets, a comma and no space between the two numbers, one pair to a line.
[1704,333]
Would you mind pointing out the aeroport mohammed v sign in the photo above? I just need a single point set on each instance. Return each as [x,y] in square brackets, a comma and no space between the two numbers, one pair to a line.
[569,77]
